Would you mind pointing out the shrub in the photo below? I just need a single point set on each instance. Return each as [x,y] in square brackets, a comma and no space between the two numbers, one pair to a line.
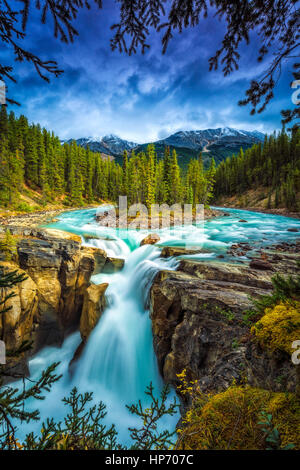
[9,246]
[234,420]
[279,327]
[285,288]
[25,207]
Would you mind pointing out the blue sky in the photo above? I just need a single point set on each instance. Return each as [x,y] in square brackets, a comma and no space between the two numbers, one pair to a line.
[142,97]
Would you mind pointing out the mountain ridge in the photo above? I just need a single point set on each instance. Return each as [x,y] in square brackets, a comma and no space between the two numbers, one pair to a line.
[219,142]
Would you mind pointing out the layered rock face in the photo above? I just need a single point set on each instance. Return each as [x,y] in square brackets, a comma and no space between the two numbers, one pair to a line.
[93,307]
[94,303]
[57,296]
[199,322]
[61,271]
[16,325]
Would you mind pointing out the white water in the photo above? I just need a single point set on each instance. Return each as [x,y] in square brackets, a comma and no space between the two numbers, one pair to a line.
[118,361]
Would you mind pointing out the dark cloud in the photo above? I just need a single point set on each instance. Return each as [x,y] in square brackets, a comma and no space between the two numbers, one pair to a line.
[142,97]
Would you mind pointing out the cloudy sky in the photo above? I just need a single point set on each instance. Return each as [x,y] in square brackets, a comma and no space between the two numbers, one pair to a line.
[142,97]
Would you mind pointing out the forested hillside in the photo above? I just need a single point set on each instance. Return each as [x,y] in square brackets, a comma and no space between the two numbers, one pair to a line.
[271,169]
[33,163]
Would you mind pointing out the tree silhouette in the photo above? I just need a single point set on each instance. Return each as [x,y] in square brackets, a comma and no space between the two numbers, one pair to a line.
[274,23]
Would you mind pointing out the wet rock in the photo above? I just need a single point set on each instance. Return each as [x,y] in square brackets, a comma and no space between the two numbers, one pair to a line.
[150,239]
[99,256]
[243,221]
[77,354]
[113,265]
[261,264]
[226,272]
[168,251]
[93,307]
[292,229]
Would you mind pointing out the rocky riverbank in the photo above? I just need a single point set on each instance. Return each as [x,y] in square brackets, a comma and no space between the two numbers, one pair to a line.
[35,219]
[280,211]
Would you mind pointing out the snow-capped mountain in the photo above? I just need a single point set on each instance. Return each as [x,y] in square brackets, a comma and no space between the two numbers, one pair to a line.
[109,144]
[218,143]
[204,139]
[116,144]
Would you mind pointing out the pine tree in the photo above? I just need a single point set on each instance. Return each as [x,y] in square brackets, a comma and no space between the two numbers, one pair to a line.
[167,174]
[150,176]
[125,185]
[275,164]
[175,189]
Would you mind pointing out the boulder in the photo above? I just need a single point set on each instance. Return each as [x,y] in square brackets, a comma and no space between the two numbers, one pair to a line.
[261,264]
[292,229]
[151,239]
[113,265]
[168,251]
[243,221]
[99,256]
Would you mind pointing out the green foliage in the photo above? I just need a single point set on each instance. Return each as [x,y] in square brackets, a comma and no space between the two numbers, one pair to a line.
[31,157]
[148,436]
[249,317]
[275,164]
[284,289]
[25,207]
[9,246]
[82,428]
[12,402]
[8,280]
[227,314]
[272,436]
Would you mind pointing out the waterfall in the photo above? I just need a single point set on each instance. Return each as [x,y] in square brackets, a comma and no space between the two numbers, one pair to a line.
[118,362]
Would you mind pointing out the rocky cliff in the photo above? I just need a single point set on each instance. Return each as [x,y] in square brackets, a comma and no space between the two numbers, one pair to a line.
[57,296]
[200,319]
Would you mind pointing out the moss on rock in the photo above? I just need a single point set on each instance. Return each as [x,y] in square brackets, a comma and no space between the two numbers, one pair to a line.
[232,420]
[279,327]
